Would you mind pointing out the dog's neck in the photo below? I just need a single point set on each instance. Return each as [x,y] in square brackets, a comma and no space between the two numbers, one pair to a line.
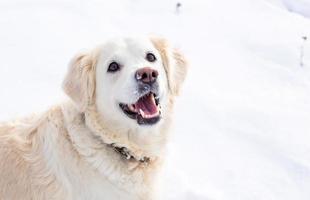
[141,143]
[95,131]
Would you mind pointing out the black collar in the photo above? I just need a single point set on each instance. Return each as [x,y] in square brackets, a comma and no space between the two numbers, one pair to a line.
[125,153]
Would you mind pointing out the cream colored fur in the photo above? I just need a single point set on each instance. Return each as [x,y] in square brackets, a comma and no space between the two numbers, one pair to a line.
[63,153]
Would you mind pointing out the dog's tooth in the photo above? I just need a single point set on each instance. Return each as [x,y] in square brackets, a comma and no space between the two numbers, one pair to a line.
[130,107]
[153,99]
[141,112]
[133,108]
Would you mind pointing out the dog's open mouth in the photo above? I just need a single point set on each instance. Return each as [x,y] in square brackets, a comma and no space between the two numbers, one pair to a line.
[146,110]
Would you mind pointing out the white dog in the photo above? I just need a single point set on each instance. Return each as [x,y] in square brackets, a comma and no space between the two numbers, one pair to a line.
[108,141]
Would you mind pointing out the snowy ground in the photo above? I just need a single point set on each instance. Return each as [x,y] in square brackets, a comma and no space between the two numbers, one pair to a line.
[243,123]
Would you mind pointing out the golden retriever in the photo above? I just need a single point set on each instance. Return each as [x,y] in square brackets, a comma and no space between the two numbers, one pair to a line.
[108,140]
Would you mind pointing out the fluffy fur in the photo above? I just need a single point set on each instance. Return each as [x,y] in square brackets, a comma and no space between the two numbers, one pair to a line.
[64,152]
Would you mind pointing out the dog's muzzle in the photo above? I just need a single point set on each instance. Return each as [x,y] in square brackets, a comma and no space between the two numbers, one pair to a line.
[146,110]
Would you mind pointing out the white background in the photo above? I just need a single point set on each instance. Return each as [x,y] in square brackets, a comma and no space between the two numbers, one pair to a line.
[242,128]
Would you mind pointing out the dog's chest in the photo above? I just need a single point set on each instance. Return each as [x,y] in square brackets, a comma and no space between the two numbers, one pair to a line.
[98,188]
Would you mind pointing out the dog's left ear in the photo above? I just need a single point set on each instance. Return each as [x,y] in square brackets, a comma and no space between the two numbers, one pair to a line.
[79,83]
[174,62]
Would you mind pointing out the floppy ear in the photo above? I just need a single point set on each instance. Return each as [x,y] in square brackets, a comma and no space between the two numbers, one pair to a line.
[79,83]
[174,62]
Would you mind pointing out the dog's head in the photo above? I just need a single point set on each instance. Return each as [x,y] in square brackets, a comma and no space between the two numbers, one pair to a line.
[131,81]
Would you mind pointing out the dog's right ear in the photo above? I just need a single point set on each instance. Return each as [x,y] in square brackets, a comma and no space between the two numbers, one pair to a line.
[79,83]
[174,62]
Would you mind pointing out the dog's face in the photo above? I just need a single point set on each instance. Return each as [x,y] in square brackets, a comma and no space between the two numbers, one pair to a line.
[131,81]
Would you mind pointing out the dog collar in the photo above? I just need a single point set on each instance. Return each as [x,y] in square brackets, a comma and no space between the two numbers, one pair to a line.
[125,153]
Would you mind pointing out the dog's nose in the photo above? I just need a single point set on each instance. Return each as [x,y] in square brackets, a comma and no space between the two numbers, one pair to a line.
[146,75]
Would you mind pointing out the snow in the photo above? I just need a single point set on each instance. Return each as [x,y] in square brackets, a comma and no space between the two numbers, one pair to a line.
[242,123]
[299,6]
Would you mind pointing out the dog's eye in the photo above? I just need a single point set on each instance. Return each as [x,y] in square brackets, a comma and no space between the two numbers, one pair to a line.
[150,57]
[113,67]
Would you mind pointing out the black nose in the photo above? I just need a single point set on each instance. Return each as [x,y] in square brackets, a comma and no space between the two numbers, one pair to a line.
[146,75]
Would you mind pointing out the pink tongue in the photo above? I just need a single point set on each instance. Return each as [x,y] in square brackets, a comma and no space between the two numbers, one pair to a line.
[147,104]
